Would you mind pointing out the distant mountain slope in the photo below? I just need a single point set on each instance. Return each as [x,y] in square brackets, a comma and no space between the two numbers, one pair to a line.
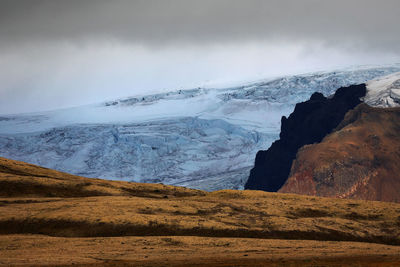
[359,160]
[201,138]
[310,121]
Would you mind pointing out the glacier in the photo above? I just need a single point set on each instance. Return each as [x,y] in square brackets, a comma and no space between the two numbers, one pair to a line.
[384,91]
[204,138]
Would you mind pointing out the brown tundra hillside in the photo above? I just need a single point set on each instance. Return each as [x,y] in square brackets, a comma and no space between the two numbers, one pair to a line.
[49,218]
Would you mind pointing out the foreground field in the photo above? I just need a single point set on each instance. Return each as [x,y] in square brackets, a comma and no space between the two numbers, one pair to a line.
[20,250]
[48,217]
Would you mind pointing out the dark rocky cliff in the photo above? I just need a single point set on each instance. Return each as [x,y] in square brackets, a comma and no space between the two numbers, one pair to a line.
[309,123]
[358,160]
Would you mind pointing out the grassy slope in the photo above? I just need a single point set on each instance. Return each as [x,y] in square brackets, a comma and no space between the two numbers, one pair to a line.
[35,250]
[35,200]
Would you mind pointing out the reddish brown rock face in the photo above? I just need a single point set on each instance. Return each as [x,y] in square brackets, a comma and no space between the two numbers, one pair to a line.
[359,160]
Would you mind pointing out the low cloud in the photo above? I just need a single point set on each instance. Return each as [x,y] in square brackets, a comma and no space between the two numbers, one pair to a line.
[56,53]
[369,23]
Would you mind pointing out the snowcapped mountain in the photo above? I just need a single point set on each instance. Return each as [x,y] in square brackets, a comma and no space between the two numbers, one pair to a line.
[201,138]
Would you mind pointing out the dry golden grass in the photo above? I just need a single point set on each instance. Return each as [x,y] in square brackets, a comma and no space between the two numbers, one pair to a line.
[38,250]
[19,179]
[99,217]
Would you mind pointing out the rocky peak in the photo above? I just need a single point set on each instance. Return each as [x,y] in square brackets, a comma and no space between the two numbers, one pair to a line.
[309,123]
[358,160]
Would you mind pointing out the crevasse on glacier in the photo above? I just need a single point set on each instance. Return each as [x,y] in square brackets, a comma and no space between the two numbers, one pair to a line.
[200,138]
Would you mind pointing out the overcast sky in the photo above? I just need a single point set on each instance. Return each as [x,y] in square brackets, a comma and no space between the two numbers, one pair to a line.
[59,53]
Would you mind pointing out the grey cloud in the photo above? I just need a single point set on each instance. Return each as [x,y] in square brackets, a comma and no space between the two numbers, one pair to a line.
[372,23]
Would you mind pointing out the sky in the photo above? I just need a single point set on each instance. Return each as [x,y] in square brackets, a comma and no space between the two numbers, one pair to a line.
[57,53]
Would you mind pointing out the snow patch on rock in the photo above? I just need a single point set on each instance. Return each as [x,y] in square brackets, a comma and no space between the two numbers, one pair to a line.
[384,91]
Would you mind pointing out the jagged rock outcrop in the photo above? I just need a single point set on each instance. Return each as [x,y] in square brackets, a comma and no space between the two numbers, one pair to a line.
[359,160]
[309,123]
